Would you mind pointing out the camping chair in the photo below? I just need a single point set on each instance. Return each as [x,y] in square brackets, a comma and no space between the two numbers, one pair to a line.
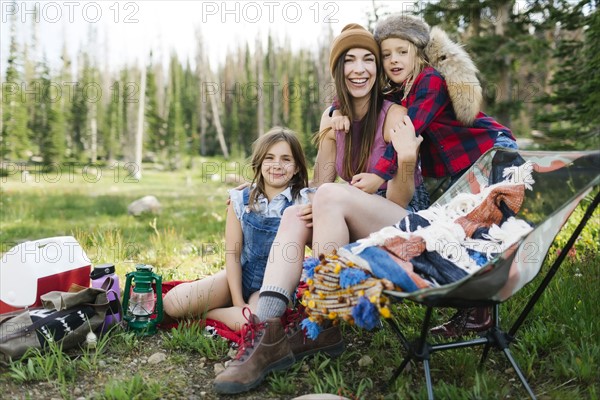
[562,180]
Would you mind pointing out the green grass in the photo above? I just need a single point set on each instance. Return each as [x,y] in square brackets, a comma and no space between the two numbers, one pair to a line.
[184,241]
[557,347]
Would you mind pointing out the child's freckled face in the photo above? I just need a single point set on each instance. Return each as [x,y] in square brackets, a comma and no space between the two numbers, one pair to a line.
[278,166]
[398,60]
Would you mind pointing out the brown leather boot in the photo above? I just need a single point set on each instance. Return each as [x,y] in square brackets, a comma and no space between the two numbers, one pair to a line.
[480,319]
[265,349]
[329,341]
[465,320]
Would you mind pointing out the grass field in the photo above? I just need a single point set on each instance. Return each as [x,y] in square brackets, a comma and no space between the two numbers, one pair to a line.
[559,353]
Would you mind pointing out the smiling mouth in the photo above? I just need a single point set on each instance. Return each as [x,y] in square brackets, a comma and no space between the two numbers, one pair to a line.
[358,81]
[397,70]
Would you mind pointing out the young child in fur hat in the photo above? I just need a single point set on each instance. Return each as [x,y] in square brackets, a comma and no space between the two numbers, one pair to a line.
[435,79]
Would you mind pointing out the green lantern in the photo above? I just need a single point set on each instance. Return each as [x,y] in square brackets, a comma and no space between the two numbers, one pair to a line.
[142,307]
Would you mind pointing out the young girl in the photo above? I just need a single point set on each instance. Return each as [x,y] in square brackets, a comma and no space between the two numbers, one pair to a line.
[455,132]
[253,217]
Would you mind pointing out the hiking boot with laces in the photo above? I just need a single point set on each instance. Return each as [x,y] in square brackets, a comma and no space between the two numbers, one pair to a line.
[465,321]
[329,342]
[265,349]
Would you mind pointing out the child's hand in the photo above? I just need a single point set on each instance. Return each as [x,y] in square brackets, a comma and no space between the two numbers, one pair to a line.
[305,214]
[404,140]
[240,187]
[367,182]
[340,122]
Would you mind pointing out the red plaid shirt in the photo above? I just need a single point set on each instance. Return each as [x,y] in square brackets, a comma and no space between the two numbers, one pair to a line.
[448,146]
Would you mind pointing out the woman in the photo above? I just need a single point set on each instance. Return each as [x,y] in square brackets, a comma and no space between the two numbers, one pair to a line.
[354,62]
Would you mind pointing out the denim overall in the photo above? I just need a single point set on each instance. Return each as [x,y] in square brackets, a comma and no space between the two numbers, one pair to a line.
[259,232]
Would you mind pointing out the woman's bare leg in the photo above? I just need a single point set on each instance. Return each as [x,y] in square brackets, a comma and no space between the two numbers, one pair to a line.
[287,253]
[344,214]
[284,267]
[194,299]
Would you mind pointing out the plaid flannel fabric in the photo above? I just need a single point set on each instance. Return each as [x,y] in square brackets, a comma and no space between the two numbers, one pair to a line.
[448,146]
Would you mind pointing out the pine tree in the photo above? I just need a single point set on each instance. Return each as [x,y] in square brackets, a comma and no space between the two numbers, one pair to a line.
[248,103]
[80,109]
[295,98]
[14,140]
[175,130]
[495,33]
[573,115]
[52,123]
[64,106]
[154,123]
[189,102]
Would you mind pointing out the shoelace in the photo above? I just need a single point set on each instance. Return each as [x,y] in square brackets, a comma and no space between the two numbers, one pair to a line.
[251,331]
[293,322]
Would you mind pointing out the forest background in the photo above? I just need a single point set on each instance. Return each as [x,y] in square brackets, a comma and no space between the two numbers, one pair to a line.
[538,61]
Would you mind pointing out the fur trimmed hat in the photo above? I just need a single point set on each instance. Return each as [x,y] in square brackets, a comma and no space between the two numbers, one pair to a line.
[352,36]
[405,27]
[449,58]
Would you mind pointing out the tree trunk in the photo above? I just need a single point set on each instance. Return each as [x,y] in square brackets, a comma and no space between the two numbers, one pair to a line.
[260,110]
[201,64]
[139,137]
[217,121]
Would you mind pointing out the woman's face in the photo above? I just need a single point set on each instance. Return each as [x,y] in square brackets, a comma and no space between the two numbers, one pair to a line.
[398,59]
[360,72]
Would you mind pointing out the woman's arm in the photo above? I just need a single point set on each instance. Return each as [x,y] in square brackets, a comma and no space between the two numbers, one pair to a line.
[233,250]
[400,133]
[325,164]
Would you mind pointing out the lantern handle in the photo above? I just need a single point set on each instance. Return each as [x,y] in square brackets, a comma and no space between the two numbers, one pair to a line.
[127,291]
[159,299]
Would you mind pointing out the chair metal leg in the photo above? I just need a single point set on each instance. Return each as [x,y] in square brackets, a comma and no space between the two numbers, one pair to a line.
[418,351]
[484,354]
[428,379]
[496,327]
[398,371]
[394,325]
[515,366]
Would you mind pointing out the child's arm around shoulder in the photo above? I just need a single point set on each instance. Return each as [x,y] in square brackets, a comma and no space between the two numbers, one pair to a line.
[393,117]
[339,122]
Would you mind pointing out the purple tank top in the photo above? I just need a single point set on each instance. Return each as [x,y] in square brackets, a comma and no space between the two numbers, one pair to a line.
[377,150]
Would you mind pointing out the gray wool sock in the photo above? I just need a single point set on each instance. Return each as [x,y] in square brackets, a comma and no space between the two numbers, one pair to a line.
[272,302]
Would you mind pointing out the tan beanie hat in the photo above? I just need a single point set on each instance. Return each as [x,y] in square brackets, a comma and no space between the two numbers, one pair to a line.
[405,27]
[352,36]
